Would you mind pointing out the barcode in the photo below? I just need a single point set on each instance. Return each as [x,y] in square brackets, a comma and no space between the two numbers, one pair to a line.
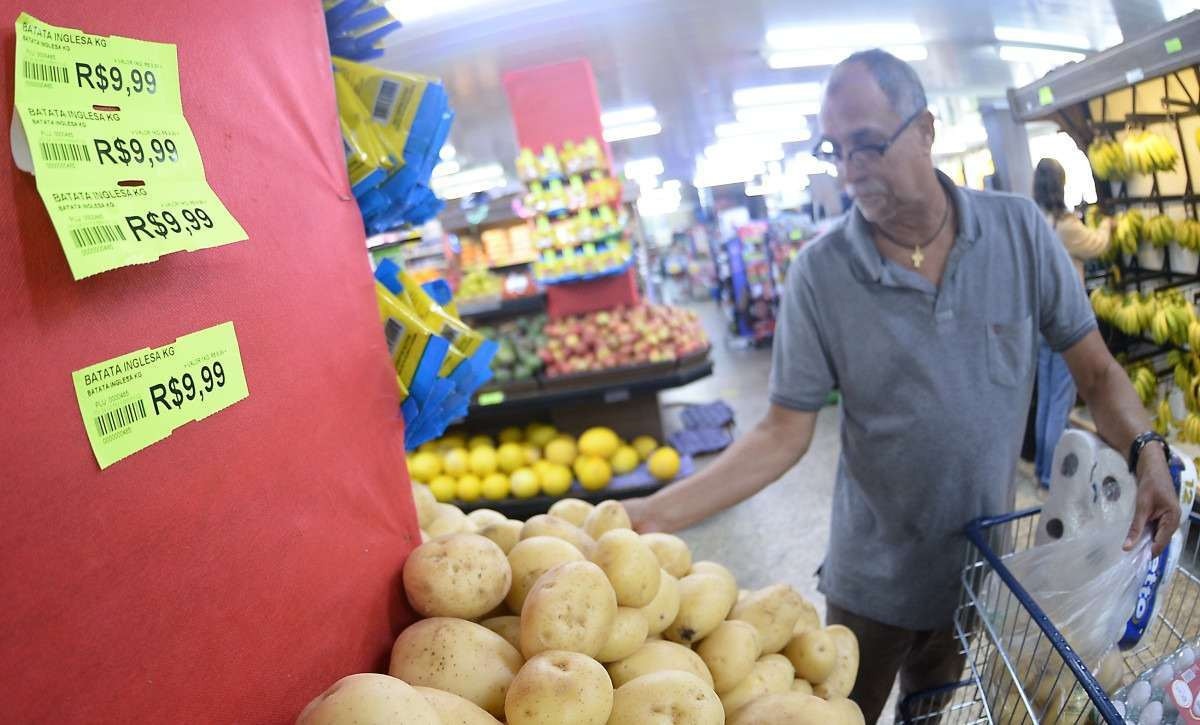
[100,234]
[384,100]
[65,152]
[46,72]
[115,420]
[394,332]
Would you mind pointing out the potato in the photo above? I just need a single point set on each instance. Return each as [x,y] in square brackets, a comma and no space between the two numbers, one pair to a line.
[450,520]
[773,611]
[663,609]
[628,635]
[557,687]
[571,607]
[742,594]
[630,565]
[543,525]
[486,517]
[809,619]
[454,710]
[704,602]
[799,685]
[666,698]
[776,672]
[730,653]
[572,510]
[813,654]
[507,626]
[743,693]
[425,504]
[850,713]
[424,536]
[840,682]
[607,515]
[505,533]
[657,656]
[368,699]
[531,558]
[793,708]
[459,657]
[712,567]
[460,575]
[673,554]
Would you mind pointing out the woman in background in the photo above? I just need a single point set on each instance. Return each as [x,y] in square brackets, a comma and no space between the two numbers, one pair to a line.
[1055,387]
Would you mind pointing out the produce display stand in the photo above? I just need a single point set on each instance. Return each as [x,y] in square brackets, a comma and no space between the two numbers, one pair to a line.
[232,570]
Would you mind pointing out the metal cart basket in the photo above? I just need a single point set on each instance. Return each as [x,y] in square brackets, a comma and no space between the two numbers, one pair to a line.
[1019,668]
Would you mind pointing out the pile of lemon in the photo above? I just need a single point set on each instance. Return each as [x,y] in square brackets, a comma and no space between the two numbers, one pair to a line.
[536,460]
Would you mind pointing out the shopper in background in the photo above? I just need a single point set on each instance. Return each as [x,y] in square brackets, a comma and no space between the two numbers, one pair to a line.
[922,306]
[1055,387]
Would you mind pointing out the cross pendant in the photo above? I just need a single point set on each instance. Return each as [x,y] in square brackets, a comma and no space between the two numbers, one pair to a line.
[917,258]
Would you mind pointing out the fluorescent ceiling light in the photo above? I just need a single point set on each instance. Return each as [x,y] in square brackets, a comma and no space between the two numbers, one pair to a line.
[774,116]
[753,150]
[625,116]
[446,168]
[866,35]
[660,201]
[1008,34]
[778,94]
[469,181]
[409,11]
[1040,56]
[632,130]
[643,168]
[787,133]
[448,152]
[820,57]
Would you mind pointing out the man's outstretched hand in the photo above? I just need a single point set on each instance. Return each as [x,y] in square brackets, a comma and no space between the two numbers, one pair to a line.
[1157,503]
[643,515]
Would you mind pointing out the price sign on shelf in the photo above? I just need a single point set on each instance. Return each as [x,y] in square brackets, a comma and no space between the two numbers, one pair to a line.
[136,400]
[116,163]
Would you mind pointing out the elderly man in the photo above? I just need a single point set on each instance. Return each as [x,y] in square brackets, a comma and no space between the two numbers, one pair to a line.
[923,306]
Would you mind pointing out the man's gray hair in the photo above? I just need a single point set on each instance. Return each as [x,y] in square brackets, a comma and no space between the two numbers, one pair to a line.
[897,79]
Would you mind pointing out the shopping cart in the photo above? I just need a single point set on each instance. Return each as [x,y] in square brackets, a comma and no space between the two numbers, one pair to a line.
[1019,668]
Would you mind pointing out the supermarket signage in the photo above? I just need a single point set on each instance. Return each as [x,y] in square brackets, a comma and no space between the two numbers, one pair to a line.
[133,401]
[1045,96]
[1173,45]
[100,123]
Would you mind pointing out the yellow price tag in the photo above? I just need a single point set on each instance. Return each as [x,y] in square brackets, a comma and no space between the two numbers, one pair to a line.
[116,163]
[135,400]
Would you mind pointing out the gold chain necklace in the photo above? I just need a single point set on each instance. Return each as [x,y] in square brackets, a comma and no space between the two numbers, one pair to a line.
[917,255]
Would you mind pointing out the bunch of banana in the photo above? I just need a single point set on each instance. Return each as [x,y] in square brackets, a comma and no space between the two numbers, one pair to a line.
[1162,418]
[1193,337]
[1128,232]
[1108,159]
[1148,152]
[1159,230]
[1189,430]
[1172,320]
[1093,216]
[1182,375]
[1147,305]
[1144,383]
[1128,316]
[1105,303]
[1187,233]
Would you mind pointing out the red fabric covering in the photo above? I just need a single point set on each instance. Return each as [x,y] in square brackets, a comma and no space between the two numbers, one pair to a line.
[233,571]
[605,293]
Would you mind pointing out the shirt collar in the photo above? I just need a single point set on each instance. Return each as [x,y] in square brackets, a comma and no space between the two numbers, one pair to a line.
[866,256]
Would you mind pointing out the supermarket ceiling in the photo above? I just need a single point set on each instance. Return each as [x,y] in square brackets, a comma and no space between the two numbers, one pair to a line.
[685,58]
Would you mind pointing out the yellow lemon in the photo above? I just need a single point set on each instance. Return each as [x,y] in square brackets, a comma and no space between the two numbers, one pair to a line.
[468,488]
[556,479]
[510,457]
[664,463]
[442,488]
[561,450]
[511,434]
[539,434]
[479,440]
[645,445]
[594,472]
[625,460]
[599,442]
[424,466]
[495,486]
[454,463]
[533,454]
[430,446]
[450,442]
[525,483]
[482,460]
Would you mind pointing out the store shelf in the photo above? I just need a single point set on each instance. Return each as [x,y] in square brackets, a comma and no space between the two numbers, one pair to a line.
[1173,46]
[393,238]
[606,387]
[500,213]
[514,307]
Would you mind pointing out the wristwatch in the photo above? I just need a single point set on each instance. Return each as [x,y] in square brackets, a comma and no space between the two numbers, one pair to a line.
[1135,450]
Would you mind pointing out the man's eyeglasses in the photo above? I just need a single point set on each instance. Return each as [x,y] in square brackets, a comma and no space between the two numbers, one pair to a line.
[865,154]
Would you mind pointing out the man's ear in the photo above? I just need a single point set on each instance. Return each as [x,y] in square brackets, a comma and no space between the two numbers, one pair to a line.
[925,125]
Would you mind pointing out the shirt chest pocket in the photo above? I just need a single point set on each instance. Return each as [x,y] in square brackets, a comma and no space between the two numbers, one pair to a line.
[1009,351]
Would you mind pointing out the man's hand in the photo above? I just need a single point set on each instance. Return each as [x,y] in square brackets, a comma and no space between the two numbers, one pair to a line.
[1157,502]
[645,515]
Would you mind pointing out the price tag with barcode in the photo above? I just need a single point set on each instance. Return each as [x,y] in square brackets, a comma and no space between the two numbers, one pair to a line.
[135,400]
[116,162]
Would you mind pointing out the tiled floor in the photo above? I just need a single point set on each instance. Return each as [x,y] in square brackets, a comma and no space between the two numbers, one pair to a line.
[780,534]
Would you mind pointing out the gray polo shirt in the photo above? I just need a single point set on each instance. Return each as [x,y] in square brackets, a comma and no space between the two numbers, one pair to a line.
[935,386]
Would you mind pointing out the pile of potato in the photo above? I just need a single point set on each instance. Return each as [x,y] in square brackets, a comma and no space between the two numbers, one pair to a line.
[574,618]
